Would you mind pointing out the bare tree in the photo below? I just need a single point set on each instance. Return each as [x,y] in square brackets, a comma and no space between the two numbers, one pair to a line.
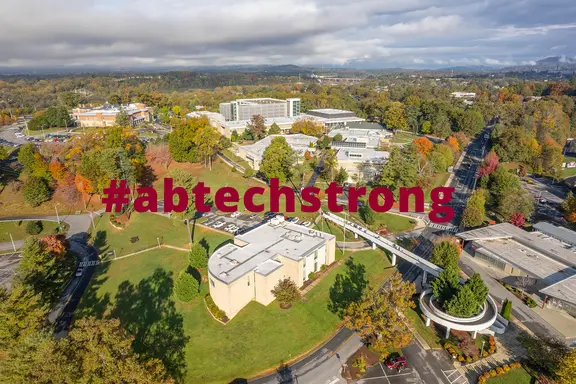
[159,154]
[524,282]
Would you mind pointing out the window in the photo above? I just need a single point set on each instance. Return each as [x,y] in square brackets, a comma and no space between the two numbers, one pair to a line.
[248,280]
[315,266]
[212,283]
[315,255]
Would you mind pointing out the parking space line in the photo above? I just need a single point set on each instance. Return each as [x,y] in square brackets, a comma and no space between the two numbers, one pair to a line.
[450,372]
[385,375]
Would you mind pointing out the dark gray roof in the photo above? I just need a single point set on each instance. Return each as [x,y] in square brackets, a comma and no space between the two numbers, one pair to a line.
[559,233]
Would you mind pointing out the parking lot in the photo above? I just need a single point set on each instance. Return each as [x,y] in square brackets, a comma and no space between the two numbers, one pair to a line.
[235,223]
[8,263]
[547,195]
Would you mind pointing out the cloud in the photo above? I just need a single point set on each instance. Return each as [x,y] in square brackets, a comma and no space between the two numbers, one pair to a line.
[369,33]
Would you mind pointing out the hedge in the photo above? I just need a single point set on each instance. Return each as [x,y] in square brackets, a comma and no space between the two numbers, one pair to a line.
[500,370]
[213,308]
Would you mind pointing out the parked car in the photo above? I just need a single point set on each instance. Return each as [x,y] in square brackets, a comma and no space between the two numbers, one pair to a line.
[232,229]
[79,271]
[398,363]
[294,220]
[235,214]
[254,216]
[306,224]
[269,215]
[19,134]
[218,224]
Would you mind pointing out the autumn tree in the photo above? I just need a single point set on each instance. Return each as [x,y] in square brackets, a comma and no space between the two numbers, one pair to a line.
[517,219]
[307,127]
[446,253]
[566,373]
[286,292]
[257,127]
[122,118]
[489,164]
[395,116]
[55,244]
[159,153]
[22,312]
[569,207]
[57,169]
[544,353]
[330,164]
[207,140]
[423,145]
[475,210]
[453,143]
[277,160]
[379,316]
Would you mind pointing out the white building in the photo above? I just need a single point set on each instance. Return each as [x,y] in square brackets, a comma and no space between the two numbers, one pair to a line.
[463,95]
[244,109]
[254,153]
[332,118]
[248,269]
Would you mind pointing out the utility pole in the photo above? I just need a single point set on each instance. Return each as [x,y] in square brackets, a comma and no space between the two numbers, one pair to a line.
[57,216]
[12,240]
[92,219]
[187,222]
[345,220]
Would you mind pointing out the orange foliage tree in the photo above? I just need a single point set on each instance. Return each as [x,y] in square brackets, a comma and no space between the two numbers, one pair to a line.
[453,143]
[423,145]
[57,169]
[83,184]
[56,244]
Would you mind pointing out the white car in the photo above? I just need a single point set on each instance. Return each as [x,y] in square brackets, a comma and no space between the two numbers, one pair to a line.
[306,224]
[218,224]
[19,134]
[235,214]
[79,271]
[232,229]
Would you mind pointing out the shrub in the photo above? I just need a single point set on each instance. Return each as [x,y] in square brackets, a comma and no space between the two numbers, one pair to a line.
[492,350]
[286,292]
[447,345]
[360,363]
[506,368]
[234,170]
[530,302]
[474,358]
[198,257]
[248,172]
[485,354]
[134,239]
[499,370]
[506,309]
[311,276]
[213,308]
[481,380]
[515,365]
[491,340]
[492,373]
[323,267]
[36,191]
[115,222]
[34,227]
[469,359]
[186,287]
[460,358]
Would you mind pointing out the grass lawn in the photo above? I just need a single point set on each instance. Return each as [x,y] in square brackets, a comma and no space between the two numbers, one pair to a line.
[439,181]
[149,227]
[515,376]
[428,333]
[138,290]
[403,138]
[18,230]
[237,159]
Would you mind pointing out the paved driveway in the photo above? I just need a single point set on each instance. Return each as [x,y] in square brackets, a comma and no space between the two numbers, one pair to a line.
[8,263]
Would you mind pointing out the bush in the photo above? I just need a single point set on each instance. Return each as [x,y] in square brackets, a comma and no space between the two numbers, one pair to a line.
[530,302]
[506,309]
[186,287]
[34,227]
[506,368]
[468,359]
[515,365]
[460,359]
[491,340]
[213,308]
[485,354]
[286,292]
[499,370]
[248,172]
[311,276]
[492,373]
[134,239]
[323,267]
[234,170]
[115,222]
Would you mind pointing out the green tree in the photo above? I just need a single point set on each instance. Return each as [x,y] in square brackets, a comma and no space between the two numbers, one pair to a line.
[395,116]
[426,127]
[446,254]
[337,137]
[122,118]
[186,287]
[21,313]
[330,164]
[69,99]
[234,137]
[114,99]
[257,127]
[446,285]
[506,309]
[34,227]
[277,160]
[36,191]
[367,215]
[341,176]
[514,201]
[177,110]
[198,257]
[248,171]
[286,292]
[475,210]
[441,157]
[544,353]
[207,140]
[3,153]
[478,288]
[400,170]
[274,129]
[501,182]
[471,122]
[463,304]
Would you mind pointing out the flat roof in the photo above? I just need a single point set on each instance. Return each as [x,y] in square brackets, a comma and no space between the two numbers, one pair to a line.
[537,241]
[560,233]
[297,142]
[336,119]
[525,258]
[368,154]
[330,111]
[564,290]
[263,245]
[261,100]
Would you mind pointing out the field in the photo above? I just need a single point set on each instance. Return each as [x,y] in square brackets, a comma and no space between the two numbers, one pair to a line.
[150,228]
[195,347]
[18,230]
[403,138]
[428,333]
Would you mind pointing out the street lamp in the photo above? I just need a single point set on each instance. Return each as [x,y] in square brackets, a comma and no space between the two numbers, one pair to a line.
[12,240]
[482,349]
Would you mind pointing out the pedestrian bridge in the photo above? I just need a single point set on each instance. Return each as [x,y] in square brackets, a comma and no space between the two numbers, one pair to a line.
[377,240]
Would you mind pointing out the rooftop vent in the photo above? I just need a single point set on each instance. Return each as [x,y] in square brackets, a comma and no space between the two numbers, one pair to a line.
[223,274]
[234,262]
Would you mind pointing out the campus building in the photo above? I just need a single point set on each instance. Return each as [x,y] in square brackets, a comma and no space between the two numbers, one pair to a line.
[254,153]
[105,116]
[248,269]
[244,109]
[544,260]
[332,118]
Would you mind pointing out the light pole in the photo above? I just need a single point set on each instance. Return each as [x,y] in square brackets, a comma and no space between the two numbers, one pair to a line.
[12,240]
[57,216]
[482,349]
[345,220]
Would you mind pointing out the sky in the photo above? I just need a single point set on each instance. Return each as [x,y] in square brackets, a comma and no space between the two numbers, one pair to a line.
[353,33]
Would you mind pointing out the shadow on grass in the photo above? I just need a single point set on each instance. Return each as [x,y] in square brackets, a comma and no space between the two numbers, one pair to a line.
[195,274]
[348,287]
[147,311]
[101,242]
[92,304]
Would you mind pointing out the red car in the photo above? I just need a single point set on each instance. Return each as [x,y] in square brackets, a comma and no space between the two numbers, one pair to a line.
[398,363]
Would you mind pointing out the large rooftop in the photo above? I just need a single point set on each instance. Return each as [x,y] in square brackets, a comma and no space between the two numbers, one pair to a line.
[563,234]
[362,154]
[262,100]
[563,290]
[330,111]
[298,142]
[263,245]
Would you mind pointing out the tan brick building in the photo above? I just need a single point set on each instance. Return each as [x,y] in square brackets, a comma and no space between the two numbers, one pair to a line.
[105,116]
[250,268]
